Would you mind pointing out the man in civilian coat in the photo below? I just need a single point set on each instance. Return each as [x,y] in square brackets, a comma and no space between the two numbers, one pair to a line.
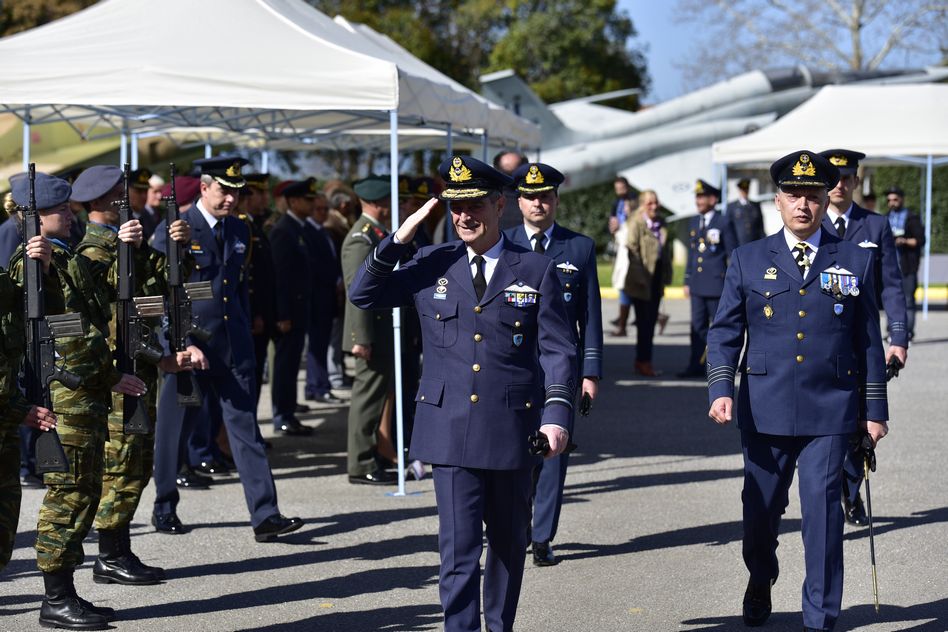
[499,365]
[802,302]
[711,239]
[871,231]
[575,258]
[224,363]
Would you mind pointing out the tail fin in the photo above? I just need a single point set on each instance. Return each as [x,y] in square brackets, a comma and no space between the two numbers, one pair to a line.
[505,88]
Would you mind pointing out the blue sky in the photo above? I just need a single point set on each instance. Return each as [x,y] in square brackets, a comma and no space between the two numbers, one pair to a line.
[653,21]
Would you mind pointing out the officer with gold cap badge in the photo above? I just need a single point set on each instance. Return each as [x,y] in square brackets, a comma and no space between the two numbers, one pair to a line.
[871,231]
[711,239]
[224,364]
[803,303]
[575,258]
[499,365]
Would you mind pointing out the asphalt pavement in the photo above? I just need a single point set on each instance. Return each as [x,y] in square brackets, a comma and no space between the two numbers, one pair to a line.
[650,537]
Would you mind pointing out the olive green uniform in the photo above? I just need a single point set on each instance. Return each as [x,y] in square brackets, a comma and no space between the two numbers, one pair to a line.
[14,409]
[72,497]
[128,457]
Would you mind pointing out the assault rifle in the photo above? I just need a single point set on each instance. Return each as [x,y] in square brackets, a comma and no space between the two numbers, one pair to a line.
[181,322]
[39,365]
[132,333]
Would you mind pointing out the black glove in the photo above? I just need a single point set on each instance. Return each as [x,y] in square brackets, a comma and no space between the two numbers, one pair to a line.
[585,404]
[540,444]
[868,451]
[892,368]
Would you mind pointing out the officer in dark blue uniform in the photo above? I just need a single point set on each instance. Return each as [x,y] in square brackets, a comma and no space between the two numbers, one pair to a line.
[711,239]
[575,259]
[871,231]
[813,372]
[225,363]
[745,215]
[294,290]
[499,361]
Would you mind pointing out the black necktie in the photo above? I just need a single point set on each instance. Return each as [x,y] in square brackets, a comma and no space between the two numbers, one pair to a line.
[802,256]
[480,281]
[841,226]
[538,240]
[219,235]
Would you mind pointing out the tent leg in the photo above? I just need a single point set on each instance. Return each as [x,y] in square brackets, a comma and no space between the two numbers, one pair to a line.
[264,161]
[396,313]
[448,226]
[724,187]
[484,148]
[208,150]
[928,234]
[134,150]
[26,139]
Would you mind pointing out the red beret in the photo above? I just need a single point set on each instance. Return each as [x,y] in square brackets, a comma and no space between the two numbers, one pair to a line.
[278,189]
[186,189]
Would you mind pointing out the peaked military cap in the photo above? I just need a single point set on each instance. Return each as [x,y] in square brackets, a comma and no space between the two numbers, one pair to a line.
[95,182]
[536,177]
[139,179]
[260,181]
[703,188]
[373,188]
[804,168]
[467,178]
[224,169]
[404,186]
[845,160]
[307,188]
[50,191]
[422,188]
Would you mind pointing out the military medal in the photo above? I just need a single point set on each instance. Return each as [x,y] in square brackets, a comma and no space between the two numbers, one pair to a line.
[768,312]
[770,274]
[441,290]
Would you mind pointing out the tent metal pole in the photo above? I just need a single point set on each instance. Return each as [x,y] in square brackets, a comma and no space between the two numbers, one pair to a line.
[396,312]
[448,226]
[724,187]
[134,151]
[208,150]
[928,234]
[484,146]
[26,138]
[264,161]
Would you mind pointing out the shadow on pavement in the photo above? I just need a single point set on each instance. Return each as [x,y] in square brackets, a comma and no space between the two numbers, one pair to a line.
[576,491]
[401,619]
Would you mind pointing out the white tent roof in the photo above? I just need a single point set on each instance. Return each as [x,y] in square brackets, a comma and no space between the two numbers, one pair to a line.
[878,120]
[277,66]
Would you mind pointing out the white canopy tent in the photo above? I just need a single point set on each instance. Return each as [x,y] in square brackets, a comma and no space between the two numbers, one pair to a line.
[889,123]
[269,68]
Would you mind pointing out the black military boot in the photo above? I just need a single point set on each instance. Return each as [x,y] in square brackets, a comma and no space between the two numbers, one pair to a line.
[63,609]
[115,566]
[126,536]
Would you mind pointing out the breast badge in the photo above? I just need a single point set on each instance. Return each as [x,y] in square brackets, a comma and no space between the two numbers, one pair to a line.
[770,274]
[768,312]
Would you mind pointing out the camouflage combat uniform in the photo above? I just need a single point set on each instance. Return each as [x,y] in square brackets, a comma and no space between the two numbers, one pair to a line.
[71,497]
[128,457]
[14,408]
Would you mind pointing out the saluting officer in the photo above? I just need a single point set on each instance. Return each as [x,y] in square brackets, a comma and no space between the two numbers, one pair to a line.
[225,363]
[499,364]
[813,372]
[745,215]
[871,231]
[575,259]
[711,240]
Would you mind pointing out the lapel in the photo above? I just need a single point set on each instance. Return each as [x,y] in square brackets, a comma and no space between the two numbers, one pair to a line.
[503,275]
[557,245]
[200,231]
[459,273]
[229,237]
[518,235]
[857,222]
[781,256]
[825,256]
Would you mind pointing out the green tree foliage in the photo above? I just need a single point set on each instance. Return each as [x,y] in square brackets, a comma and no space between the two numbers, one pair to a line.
[912,181]
[22,15]
[587,211]
[563,48]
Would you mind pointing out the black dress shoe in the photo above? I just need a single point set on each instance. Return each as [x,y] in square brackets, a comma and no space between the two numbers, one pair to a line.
[293,428]
[855,512]
[212,467]
[543,554]
[192,480]
[326,398]
[692,371]
[757,603]
[275,525]
[168,523]
[375,477]
[228,462]
[302,408]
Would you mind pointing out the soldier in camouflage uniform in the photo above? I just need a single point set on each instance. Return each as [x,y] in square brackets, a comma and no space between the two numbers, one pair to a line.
[128,457]
[15,410]
[72,497]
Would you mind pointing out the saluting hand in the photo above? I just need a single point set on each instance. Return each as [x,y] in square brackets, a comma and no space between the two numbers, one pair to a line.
[40,418]
[179,231]
[406,232]
[39,248]
[721,410]
[131,232]
[558,438]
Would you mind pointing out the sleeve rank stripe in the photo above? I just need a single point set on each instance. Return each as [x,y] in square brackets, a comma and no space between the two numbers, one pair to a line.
[558,400]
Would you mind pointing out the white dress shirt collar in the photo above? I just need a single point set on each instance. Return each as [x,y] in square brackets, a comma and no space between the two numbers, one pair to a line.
[490,259]
[530,232]
[833,215]
[210,219]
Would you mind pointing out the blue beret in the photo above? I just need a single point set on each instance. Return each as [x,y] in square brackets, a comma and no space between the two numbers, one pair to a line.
[95,182]
[536,177]
[50,190]
[804,168]
[468,178]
